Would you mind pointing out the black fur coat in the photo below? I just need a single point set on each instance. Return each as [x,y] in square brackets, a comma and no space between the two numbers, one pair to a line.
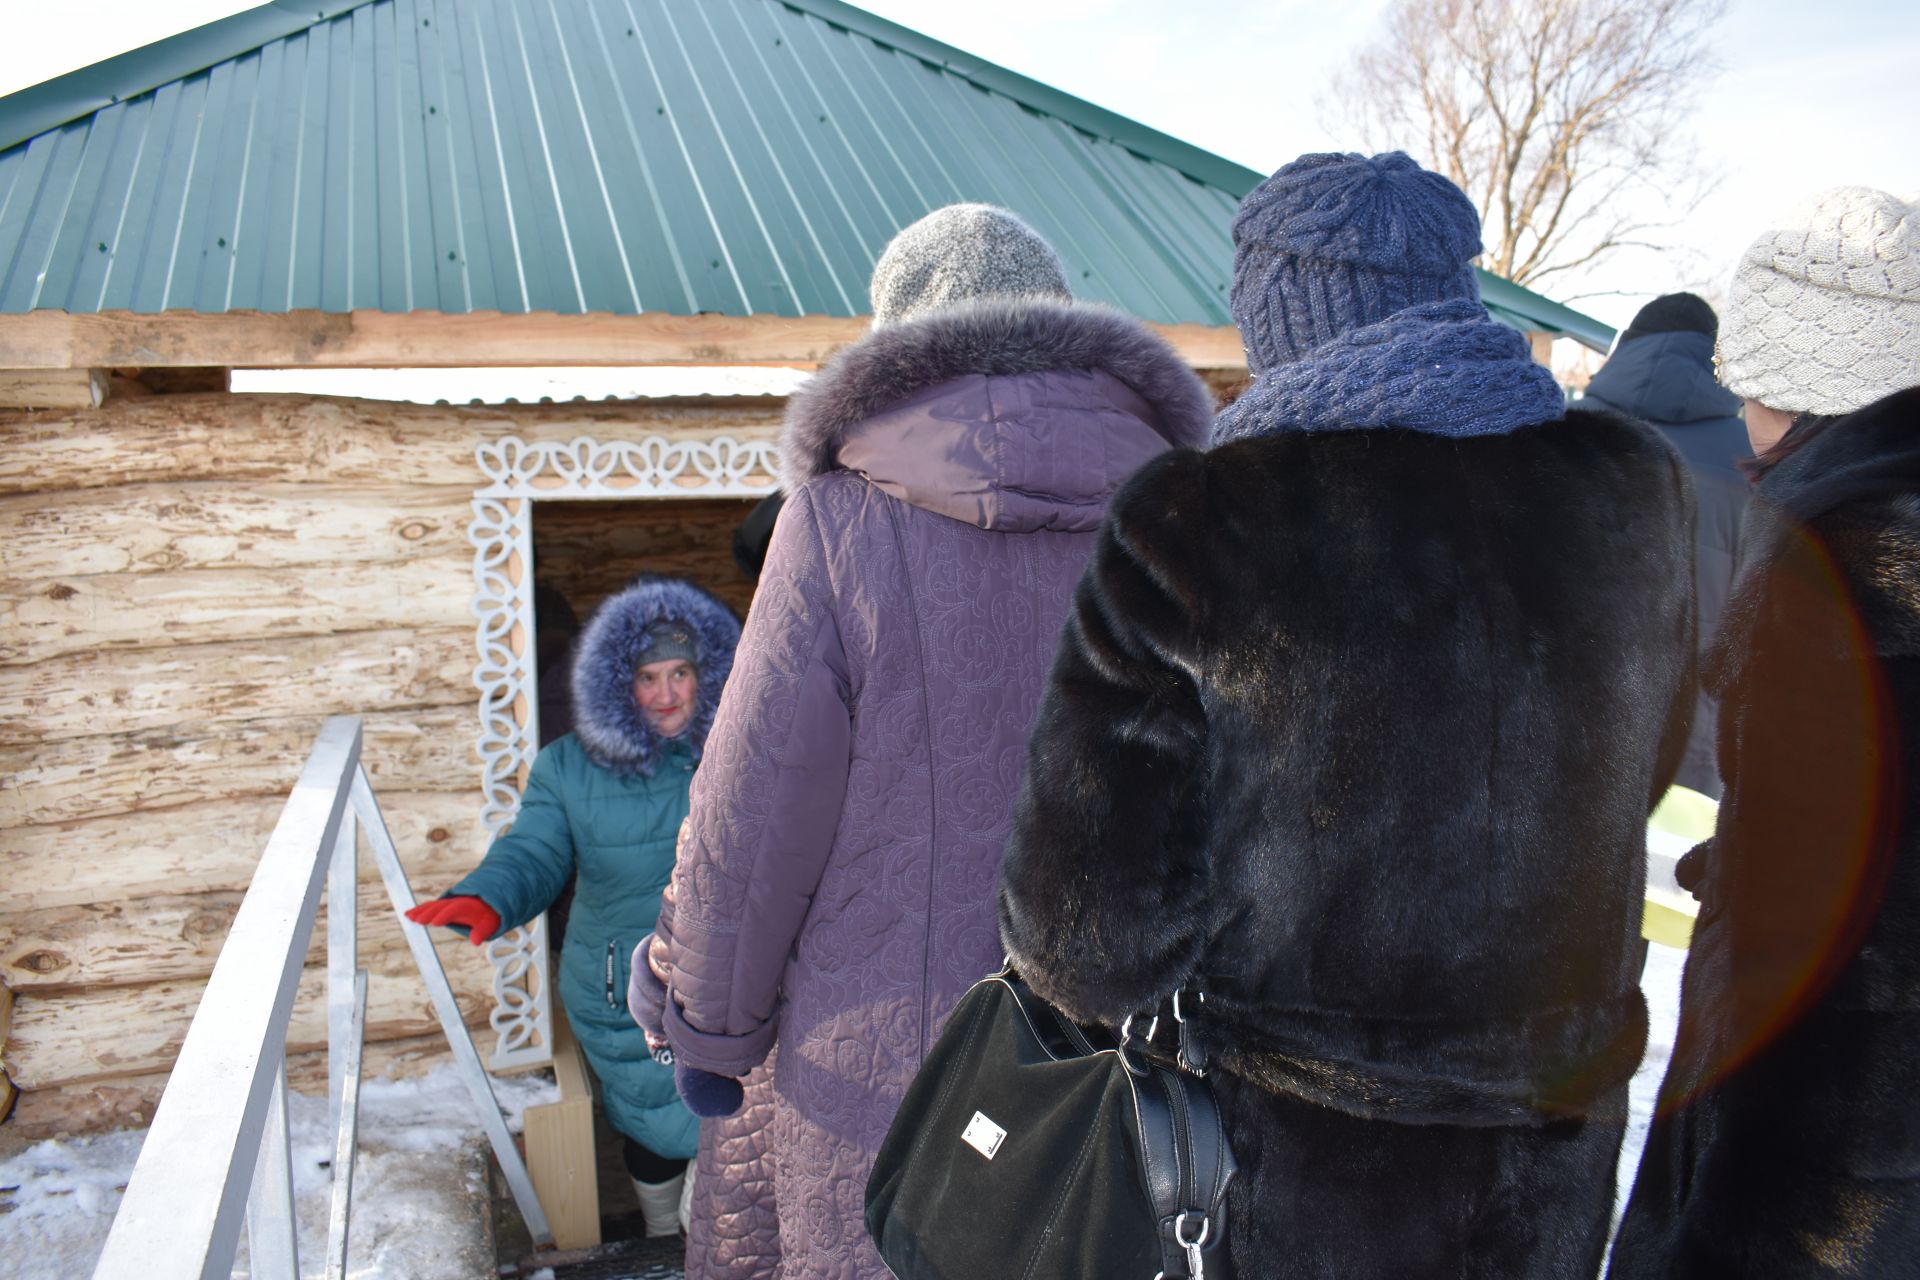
[1358,731]
[1787,1143]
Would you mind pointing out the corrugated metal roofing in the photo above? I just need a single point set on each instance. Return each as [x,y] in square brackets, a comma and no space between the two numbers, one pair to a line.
[732,156]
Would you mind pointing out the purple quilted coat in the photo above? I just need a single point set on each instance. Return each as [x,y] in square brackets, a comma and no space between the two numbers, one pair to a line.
[834,892]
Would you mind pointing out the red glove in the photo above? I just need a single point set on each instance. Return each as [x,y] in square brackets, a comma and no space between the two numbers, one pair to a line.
[481,920]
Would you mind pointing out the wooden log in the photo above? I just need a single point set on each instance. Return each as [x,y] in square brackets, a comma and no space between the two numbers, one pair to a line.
[121,1031]
[52,388]
[209,525]
[123,691]
[430,749]
[124,1102]
[429,339]
[171,937]
[212,847]
[51,617]
[291,439]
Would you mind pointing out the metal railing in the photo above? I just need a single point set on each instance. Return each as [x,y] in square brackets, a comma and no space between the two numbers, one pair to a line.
[218,1148]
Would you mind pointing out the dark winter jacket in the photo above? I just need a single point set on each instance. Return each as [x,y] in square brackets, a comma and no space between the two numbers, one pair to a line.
[1787,1140]
[945,478]
[604,804]
[1667,379]
[1358,732]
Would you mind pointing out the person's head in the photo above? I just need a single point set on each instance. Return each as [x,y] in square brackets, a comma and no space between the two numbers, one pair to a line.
[1331,243]
[1672,313]
[666,679]
[961,252]
[1823,315]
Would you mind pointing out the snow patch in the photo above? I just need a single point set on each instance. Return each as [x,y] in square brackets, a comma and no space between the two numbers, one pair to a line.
[417,1165]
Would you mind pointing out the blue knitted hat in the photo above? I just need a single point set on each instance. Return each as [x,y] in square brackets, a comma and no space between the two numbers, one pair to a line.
[1333,242]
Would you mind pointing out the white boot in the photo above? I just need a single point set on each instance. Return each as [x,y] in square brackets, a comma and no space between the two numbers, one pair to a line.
[686,1200]
[660,1204]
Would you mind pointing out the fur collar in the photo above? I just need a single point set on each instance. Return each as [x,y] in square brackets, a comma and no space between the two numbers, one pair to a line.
[1854,492]
[606,718]
[995,337]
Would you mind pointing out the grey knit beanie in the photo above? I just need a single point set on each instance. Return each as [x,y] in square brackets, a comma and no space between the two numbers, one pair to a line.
[1824,312]
[963,251]
[1331,242]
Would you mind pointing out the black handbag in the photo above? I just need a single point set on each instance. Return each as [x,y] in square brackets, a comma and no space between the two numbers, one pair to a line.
[1029,1147]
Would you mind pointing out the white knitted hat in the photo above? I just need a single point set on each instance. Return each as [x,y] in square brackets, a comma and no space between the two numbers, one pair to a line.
[959,252]
[1824,312]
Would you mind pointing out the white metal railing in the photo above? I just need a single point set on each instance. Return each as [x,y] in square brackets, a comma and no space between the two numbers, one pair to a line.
[218,1145]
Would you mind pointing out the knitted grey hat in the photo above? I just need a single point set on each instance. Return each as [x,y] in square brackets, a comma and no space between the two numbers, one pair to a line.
[963,251]
[1824,312]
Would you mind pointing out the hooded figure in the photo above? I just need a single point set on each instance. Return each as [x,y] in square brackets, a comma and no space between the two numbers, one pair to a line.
[1661,371]
[945,476]
[604,804]
[1355,728]
[1786,1142]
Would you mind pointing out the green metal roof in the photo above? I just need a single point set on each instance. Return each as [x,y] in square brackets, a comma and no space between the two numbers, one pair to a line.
[732,156]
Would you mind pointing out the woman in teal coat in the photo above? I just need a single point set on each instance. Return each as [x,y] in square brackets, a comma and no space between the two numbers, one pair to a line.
[604,803]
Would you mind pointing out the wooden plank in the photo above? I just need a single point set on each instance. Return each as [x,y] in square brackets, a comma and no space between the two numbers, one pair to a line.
[212,847]
[143,690]
[420,339]
[424,339]
[52,388]
[1541,345]
[169,937]
[560,1149]
[123,1102]
[218,525]
[70,615]
[425,750]
[321,440]
[119,1031]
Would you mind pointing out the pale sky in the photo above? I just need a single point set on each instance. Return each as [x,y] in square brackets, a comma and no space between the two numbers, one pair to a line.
[1815,93]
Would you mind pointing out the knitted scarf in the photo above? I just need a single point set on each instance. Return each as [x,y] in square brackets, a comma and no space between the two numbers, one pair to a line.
[1443,367]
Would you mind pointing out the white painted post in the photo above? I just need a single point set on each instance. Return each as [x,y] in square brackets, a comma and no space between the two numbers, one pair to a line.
[273,1242]
[347,1134]
[466,1058]
[181,1215]
[343,946]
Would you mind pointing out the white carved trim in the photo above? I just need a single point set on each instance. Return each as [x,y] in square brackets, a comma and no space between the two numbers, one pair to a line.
[518,474]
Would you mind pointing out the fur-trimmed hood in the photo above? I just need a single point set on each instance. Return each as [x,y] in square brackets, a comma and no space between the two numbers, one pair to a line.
[607,719]
[1010,413]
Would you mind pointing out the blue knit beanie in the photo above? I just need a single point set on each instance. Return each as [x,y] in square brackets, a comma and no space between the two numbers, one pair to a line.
[1333,242]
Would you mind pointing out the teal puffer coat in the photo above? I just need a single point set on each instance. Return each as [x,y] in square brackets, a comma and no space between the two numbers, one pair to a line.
[616,833]
[604,804]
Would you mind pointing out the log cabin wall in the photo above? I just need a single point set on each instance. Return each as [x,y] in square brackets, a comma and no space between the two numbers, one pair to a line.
[191,585]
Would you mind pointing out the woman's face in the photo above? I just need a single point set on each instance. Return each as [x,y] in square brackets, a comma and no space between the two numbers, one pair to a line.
[1765,426]
[666,692]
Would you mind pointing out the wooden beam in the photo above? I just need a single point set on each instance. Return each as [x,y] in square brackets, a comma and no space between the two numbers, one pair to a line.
[1542,347]
[44,388]
[432,339]
[560,1155]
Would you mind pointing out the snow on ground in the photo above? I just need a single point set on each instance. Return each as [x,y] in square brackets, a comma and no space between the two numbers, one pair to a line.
[1660,981]
[58,1198]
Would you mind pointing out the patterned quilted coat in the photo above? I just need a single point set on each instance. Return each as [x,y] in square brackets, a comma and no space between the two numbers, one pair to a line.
[834,893]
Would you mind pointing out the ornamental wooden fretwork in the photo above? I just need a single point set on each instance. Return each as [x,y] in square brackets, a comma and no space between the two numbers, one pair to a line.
[518,474]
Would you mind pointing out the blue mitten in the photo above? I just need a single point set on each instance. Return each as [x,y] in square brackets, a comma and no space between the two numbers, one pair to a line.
[707,1095]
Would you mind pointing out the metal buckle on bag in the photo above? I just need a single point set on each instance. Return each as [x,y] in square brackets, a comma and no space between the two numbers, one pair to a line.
[1196,1265]
[1126,1038]
[1186,1061]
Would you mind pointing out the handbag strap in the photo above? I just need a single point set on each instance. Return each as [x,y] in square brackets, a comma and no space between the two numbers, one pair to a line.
[1189,1161]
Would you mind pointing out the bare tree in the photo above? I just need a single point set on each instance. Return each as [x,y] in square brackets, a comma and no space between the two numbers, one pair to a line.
[1564,120]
